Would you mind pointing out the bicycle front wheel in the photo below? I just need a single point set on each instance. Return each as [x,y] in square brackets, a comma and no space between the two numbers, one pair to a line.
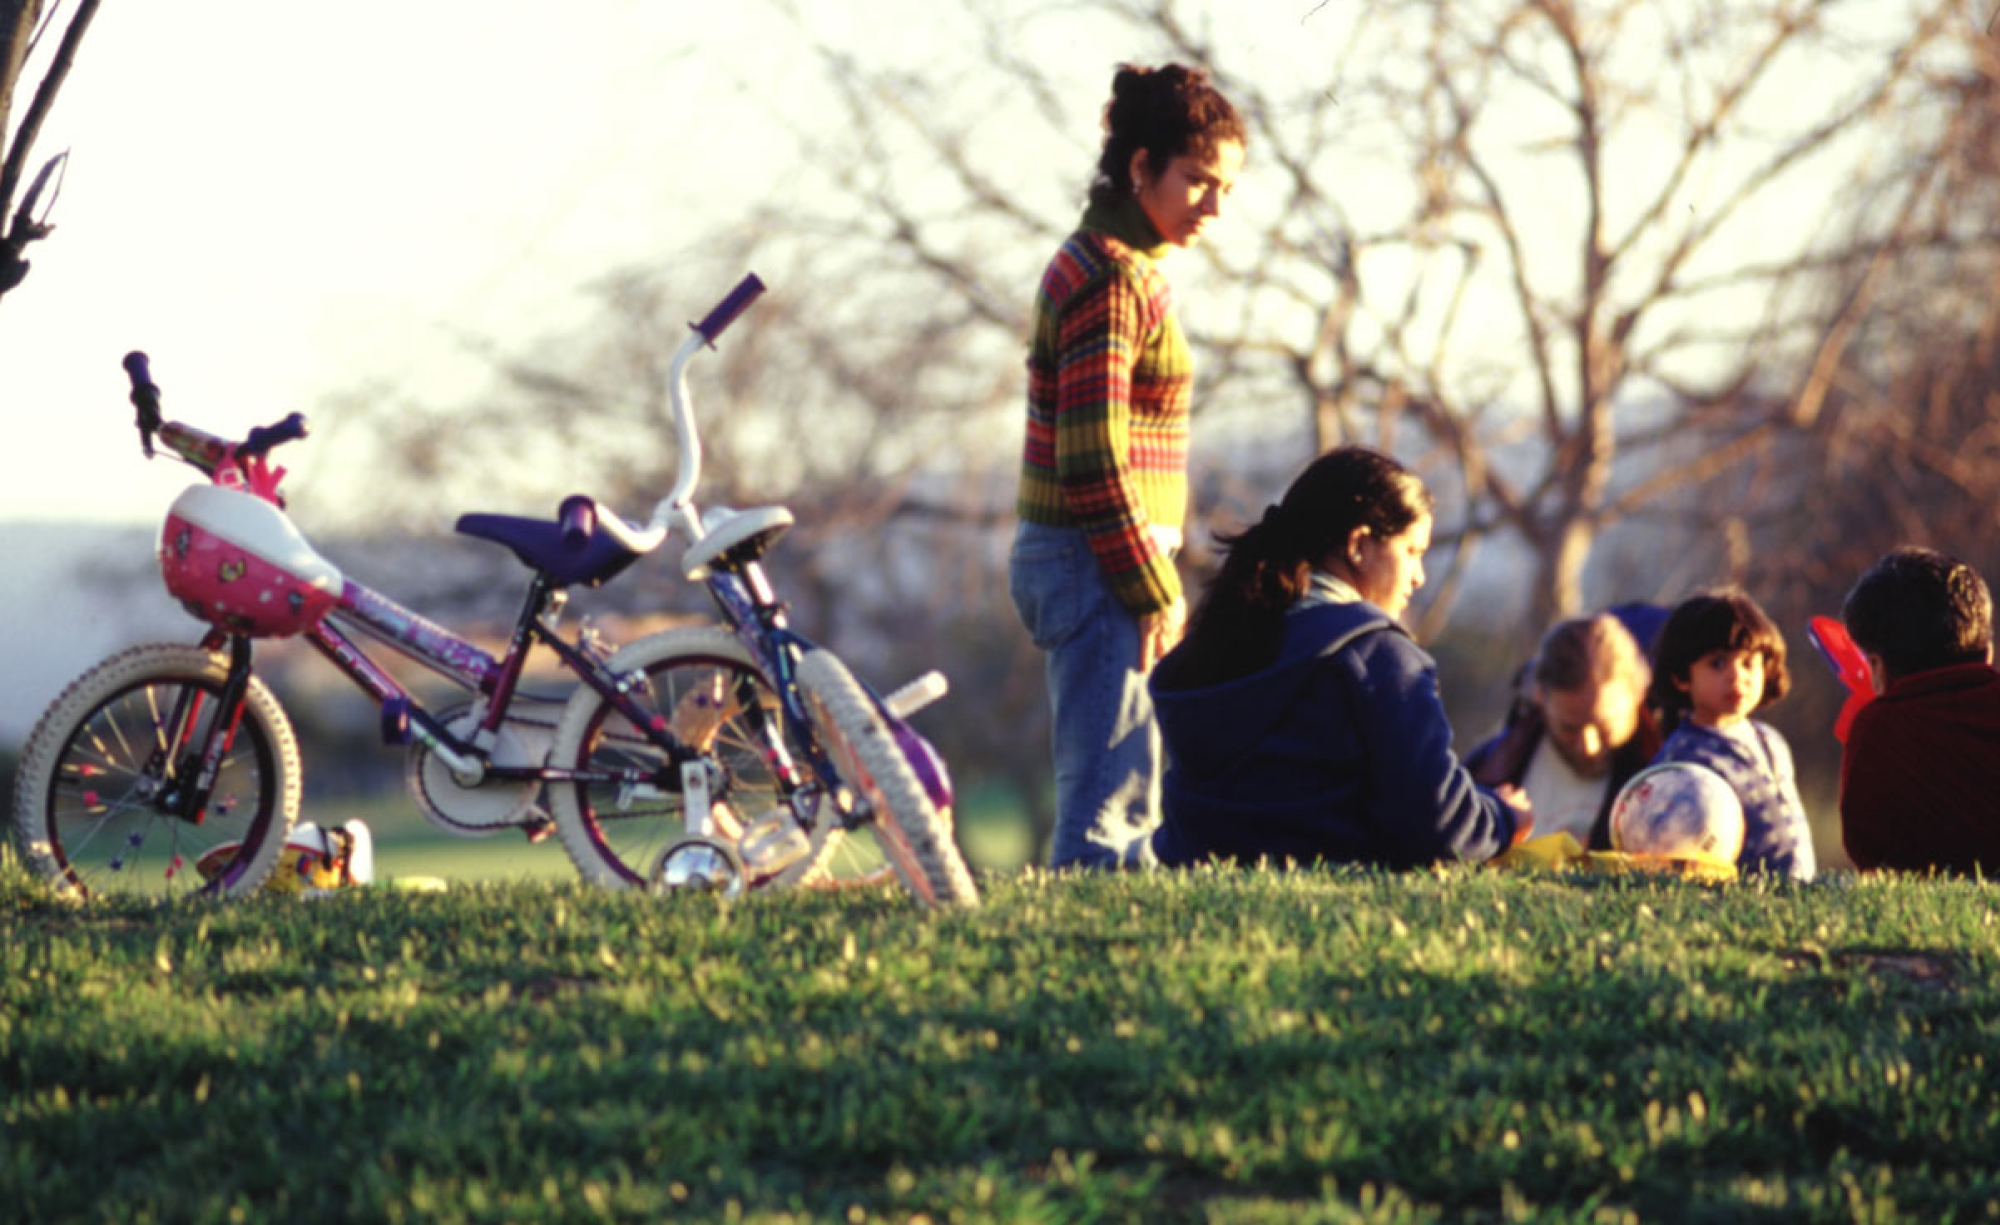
[97,802]
[914,836]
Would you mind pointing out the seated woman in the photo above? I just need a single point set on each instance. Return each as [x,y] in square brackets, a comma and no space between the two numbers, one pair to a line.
[1301,722]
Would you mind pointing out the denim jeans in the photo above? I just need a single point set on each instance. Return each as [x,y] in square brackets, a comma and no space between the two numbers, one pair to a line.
[1106,745]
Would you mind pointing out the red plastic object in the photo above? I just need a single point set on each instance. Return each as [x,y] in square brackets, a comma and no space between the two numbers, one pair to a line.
[1848,663]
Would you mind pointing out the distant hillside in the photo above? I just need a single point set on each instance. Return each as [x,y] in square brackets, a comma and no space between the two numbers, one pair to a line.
[74,593]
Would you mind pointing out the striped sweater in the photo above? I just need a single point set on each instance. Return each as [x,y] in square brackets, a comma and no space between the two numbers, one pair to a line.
[1109,375]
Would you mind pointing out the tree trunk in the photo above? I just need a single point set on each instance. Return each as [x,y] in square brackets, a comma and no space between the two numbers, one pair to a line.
[1558,588]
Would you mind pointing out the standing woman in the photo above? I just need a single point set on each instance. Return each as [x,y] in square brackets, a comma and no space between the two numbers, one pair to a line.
[1104,470]
[1301,721]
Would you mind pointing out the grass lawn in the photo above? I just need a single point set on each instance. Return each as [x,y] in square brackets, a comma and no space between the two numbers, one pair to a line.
[1213,1046]
[990,828]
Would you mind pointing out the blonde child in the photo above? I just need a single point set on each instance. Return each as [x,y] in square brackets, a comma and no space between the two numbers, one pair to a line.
[1719,658]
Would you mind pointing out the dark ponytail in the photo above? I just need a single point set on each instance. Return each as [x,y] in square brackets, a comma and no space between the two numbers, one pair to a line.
[1166,111]
[1268,566]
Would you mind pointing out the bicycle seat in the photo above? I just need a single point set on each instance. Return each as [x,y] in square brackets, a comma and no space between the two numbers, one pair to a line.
[734,538]
[539,543]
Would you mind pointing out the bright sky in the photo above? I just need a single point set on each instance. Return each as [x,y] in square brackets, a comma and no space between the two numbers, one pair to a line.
[279,202]
[285,202]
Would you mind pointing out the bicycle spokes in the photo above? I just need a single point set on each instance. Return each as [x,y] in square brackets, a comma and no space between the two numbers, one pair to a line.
[124,811]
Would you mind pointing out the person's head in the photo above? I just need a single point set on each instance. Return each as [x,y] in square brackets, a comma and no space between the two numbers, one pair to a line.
[1719,657]
[1174,143]
[1356,514]
[1919,609]
[1589,680]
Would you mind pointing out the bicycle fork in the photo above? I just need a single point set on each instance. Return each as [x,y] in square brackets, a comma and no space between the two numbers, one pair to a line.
[187,800]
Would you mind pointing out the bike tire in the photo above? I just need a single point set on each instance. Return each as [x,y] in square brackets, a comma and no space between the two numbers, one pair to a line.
[87,817]
[614,841]
[914,836]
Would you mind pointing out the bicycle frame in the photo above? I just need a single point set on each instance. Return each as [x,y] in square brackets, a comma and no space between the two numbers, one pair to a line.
[748,606]
[338,616]
[496,680]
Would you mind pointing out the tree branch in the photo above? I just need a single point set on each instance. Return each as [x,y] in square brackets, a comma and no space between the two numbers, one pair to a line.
[45,97]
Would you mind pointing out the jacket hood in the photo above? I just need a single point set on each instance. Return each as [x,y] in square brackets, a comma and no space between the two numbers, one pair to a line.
[1208,728]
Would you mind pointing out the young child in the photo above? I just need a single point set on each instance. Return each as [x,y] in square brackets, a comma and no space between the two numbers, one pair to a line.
[1921,769]
[1718,659]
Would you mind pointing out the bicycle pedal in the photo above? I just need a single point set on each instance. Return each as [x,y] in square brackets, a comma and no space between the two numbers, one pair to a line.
[538,828]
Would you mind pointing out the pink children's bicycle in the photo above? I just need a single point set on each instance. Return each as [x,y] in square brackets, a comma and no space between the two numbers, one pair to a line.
[728,757]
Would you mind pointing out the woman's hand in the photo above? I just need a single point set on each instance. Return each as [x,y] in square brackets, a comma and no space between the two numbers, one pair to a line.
[1159,631]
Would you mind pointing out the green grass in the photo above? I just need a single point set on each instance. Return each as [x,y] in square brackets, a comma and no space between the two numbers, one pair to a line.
[1230,1047]
[991,829]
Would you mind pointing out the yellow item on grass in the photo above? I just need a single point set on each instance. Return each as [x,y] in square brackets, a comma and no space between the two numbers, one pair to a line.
[313,860]
[416,884]
[1559,852]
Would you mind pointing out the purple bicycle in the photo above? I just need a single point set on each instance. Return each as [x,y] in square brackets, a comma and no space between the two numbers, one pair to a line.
[727,758]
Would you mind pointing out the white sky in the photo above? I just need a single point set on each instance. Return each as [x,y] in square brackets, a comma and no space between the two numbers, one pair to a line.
[279,202]
[282,203]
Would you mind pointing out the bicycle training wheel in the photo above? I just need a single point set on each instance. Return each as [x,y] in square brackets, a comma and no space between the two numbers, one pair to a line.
[914,836]
[702,684]
[96,801]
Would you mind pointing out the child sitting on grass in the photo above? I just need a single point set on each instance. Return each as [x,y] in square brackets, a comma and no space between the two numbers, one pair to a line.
[1718,659]
[1920,774]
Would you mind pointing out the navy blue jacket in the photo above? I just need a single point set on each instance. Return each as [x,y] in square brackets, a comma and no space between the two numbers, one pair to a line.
[1339,752]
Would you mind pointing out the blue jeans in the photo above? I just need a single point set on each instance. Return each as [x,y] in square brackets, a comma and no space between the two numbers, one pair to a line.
[1106,745]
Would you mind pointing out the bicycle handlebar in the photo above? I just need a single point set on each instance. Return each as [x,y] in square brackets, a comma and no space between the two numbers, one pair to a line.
[145,398]
[677,508]
[264,437]
[738,301]
[199,448]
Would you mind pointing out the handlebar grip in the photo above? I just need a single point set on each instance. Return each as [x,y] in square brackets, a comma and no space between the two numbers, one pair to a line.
[739,300]
[139,368]
[145,396]
[264,437]
[578,520]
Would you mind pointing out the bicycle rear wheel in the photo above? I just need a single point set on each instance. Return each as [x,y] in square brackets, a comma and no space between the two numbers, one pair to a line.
[96,802]
[702,684]
[914,836]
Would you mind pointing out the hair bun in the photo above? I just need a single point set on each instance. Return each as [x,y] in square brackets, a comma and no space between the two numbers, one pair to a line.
[1131,83]
[1140,80]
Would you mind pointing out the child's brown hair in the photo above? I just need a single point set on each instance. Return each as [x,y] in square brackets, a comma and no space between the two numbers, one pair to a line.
[1719,619]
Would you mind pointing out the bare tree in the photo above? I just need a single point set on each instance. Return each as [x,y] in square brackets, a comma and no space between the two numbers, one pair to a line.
[1536,243]
[1895,429]
[22,27]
